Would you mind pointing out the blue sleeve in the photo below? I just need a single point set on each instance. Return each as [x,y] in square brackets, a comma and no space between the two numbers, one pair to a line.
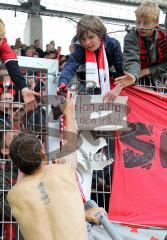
[75,60]
[117,58]
[15,74]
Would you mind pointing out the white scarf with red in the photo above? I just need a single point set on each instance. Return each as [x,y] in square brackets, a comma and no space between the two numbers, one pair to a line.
[97,71]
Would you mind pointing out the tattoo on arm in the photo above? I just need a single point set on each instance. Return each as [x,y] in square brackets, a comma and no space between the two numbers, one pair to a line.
[43,194]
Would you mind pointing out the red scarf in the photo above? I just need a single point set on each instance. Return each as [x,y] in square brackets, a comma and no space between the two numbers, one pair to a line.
[161,46]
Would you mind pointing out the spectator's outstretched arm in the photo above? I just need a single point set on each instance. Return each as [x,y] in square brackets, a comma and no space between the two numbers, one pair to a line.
[8,57]
[131,65]
[20,82]
[120,82]
[75,60]
[68,150]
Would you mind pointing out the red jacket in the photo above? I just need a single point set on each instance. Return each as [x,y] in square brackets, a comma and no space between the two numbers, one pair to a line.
[6,53]
[9,58]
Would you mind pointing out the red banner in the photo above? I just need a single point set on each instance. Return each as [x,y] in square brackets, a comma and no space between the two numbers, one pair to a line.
[139,190]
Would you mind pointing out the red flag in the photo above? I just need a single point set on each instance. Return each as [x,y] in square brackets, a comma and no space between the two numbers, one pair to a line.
[139,190]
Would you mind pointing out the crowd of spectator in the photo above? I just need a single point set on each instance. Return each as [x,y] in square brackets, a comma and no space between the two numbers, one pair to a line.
[35,50]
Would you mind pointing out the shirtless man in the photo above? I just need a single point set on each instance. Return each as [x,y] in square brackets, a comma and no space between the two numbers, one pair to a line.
[46,202]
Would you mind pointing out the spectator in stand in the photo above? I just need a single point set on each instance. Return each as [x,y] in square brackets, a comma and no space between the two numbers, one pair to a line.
[34,82]
[63,62]
[13,112]
[31,82]
[93,45]
[6,84]
[48,49]
[7,99]
[52,44]
[23,49]
[18,43]
[8,57]
[18,47]
[145,48]
[29,51]
[51,55]
[38,49]
[17,116]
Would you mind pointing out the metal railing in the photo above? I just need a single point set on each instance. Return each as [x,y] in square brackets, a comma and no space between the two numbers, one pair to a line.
[13,119]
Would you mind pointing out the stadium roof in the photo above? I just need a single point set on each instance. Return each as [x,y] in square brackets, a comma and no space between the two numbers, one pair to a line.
[54,8]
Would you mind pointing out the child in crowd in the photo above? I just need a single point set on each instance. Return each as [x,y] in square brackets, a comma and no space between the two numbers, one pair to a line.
[94,48]
[145,48]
